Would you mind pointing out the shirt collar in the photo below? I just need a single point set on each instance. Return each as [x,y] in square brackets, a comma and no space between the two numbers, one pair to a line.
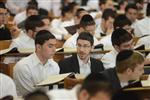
[37,61]
[81,62]
[2,26]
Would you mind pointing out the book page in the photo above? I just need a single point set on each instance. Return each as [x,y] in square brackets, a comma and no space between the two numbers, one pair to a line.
[146,82]
[53,79]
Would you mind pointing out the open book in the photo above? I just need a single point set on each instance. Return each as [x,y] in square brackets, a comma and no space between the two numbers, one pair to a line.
[16,50]
[55,79]
[146,83]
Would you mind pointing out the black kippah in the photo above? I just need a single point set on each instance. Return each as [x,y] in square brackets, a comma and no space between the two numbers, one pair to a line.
[123,55]
[2,5]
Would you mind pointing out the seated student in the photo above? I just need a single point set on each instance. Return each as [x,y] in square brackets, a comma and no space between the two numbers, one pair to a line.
[33,24]
[94,87]
[82,62]
[4,31]
[121,21]
[129,67]
[38,66]
[36,95]
[87,23]
[7,86]
[121,40]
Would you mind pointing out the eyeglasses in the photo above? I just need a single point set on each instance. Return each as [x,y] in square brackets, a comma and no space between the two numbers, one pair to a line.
[83,46]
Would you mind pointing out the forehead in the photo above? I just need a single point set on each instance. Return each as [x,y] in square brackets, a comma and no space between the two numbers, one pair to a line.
[51,41]
[127,43]
[83,42]
[131,10]
[2,10]
[110,19]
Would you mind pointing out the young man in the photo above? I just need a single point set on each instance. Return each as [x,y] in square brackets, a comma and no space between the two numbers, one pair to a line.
[121,21]
[94,87]
[38,66]
[121,40]
[131,11]
[4,31]
[87,24]
[106,26]
[129,67]
[82,62]
[33,24]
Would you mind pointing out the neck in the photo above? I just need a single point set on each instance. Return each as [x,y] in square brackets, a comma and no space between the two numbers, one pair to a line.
[86,59]
[64,19]
[41,58]
[103,29]
[123,77]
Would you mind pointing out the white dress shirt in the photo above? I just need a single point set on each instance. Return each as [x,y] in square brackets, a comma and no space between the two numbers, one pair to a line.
[20,17]
[109,59]
[23,41]
[72,41]
[30,71]
[85,68]
[142,27]
[106,41]
[58,27]
[7,86]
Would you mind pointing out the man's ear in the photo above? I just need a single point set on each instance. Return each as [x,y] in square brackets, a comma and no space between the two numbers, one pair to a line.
[83,95]
[128,71]
[38,47]
[30,33]
[116,48]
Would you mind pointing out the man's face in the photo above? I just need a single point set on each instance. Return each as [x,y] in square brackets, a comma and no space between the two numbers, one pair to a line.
[132,14]
[101,96]
[126,45]
[47,50]
[3,16]
[83,49]
[32,12]
[137,72]
[90,29]
[108,24]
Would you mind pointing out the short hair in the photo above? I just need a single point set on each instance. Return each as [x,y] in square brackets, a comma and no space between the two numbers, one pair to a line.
[42,12]
[121,21]
[72,5]
[128,59]
[78,12]
[148,10]
[120,36]
[86,20]
[96,82]
[33,7]
[43,36]
[102,2]
[36,95]
[65,10]
[32,22]
[108,13]
[131,6]
[86,36]
[2,5]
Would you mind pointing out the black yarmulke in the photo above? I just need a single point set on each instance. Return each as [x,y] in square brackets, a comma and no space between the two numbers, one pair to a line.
[2,5]
[87,19]
[123,55]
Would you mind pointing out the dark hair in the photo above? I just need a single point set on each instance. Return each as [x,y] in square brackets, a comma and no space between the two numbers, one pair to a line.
[125,95]
[96,82]
[128,59]
[120,36]
[33,7]
[65,10]
[33,3]
[42,11]
[131,6]
[72,5]
[2,5]
[78,12]
[121,21]
[43,36]
[102,2]
[32,22]
[36,95]
[108,13]
[87,20]
[86,36]
[148,10]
